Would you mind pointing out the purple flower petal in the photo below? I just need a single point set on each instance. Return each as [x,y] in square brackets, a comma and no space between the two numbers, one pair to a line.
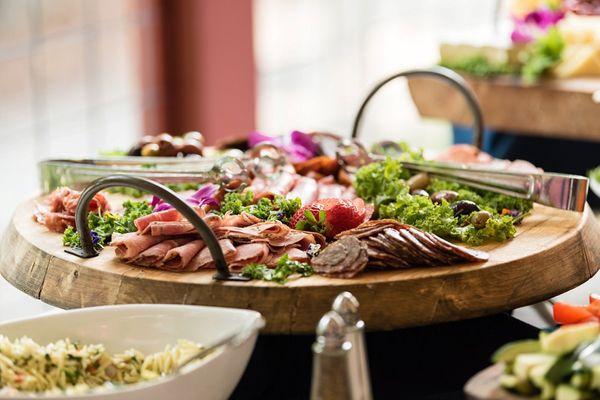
[206,191]
[535,23]
[255,138]
[304,140]
[203,196]
[155,201]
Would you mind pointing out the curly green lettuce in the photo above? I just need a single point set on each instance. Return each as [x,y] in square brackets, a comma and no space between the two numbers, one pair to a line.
[384,184]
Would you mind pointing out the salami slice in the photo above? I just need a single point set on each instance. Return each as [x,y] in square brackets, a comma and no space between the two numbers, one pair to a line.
[344,258]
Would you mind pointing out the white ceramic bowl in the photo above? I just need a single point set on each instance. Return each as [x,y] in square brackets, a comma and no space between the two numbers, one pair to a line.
[149,328]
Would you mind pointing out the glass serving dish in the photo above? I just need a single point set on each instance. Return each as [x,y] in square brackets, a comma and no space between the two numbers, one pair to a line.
[78,173]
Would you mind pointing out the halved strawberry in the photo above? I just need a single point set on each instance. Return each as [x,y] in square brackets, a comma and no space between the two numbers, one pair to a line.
[330,216]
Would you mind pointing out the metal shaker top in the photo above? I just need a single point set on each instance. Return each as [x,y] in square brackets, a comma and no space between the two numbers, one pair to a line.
[346,305]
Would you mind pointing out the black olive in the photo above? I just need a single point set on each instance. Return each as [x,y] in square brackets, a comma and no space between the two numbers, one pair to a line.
[135,151]
[419,192]
[463,207]
[448,195]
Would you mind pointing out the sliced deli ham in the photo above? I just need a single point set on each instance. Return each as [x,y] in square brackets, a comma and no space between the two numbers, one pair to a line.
[153,256]
[179,257]
[130,245]
[249,253]
[204,259]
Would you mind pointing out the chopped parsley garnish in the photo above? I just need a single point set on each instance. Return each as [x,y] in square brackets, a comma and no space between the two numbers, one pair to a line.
[102,226]
[282,271]
[279,209]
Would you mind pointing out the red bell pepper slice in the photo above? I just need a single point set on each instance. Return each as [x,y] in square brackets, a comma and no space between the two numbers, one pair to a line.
[569,314]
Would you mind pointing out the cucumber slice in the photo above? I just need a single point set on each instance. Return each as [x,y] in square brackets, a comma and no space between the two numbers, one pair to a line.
[510,351]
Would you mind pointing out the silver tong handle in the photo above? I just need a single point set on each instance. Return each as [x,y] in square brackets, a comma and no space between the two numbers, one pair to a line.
[567,192]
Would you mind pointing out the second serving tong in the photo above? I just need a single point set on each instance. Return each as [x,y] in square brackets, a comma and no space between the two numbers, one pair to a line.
[566,192]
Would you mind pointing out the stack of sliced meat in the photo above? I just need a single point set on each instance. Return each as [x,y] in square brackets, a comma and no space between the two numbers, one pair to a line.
[306,188]
[390,244]
[59,211]
[165,240]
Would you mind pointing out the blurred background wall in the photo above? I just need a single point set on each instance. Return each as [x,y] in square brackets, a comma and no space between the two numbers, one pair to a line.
[82,76]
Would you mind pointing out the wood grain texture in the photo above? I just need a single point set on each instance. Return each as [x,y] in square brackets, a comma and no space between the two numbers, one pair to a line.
[552,108]
[484,386]
[554,251]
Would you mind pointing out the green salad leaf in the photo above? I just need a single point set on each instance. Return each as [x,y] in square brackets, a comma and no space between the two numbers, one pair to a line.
[542,55]
[381,182]
[384,184]
[102,226]
[278,209]
[282,271]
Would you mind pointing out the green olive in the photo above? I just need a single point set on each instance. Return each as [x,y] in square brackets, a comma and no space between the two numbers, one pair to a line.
[418,181]
[150,150]
[480,218]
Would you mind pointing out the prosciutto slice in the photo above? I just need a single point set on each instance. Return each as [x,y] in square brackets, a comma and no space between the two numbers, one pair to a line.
[55,221]
[240,220]
[130,245]
[59,211]
[204,259]
[280,186]
[178,228]
[306,189]
[178,258]
[249,253]
[331,190]
[153,256]
[261,230]
[164,216]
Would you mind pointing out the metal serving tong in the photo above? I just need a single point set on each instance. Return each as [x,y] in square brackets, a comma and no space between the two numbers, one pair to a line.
[566,192]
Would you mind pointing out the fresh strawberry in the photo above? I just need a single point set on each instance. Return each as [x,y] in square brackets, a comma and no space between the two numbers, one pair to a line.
[330,216]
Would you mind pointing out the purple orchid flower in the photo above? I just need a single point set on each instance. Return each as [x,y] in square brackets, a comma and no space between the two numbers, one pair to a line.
[203,196]
[534,23]
[299,146]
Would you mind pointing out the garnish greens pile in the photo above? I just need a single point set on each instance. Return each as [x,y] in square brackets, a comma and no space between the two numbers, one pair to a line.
[480,66]
[535,60]
[384,184]
[279,209]
[280,273]
[104,225]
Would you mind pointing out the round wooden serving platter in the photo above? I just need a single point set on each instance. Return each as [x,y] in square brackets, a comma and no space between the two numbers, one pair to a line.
[553,251]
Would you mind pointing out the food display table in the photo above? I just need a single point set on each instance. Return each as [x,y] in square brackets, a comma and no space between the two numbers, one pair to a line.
[556,108]
[553,251]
